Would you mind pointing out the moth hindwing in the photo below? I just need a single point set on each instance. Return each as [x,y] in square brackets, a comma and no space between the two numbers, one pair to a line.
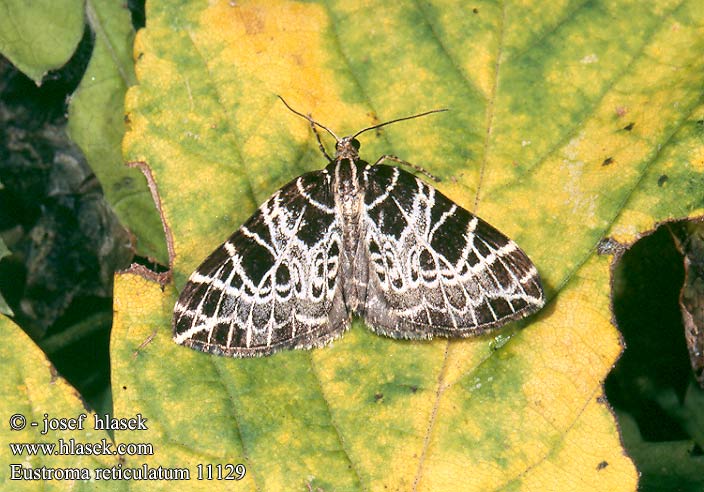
[354,239]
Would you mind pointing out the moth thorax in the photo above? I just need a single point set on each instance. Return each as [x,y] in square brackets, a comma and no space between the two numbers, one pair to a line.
[346,188]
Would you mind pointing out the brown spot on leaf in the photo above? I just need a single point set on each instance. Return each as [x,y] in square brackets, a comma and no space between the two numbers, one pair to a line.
[609,246]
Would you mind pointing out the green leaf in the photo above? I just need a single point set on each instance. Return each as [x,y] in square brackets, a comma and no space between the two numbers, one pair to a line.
[41,35]
[32,390]
[670,465]
[97,124]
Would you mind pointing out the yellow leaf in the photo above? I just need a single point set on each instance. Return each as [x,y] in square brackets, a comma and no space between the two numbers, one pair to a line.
[34,395]
[564,119]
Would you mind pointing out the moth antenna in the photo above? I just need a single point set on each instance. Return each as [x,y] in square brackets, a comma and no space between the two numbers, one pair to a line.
[312,121]
[401,119]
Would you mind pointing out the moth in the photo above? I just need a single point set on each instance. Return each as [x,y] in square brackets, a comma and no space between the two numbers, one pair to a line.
[354,238]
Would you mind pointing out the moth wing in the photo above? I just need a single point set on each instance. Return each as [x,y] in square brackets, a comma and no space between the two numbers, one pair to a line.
[273,284]
[435,269]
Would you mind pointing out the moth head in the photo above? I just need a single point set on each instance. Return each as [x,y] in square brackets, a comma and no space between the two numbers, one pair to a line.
[347,148]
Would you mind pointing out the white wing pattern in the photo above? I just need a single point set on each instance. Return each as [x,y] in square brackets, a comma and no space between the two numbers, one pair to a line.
[435,269]
[273,284]
[354,239]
